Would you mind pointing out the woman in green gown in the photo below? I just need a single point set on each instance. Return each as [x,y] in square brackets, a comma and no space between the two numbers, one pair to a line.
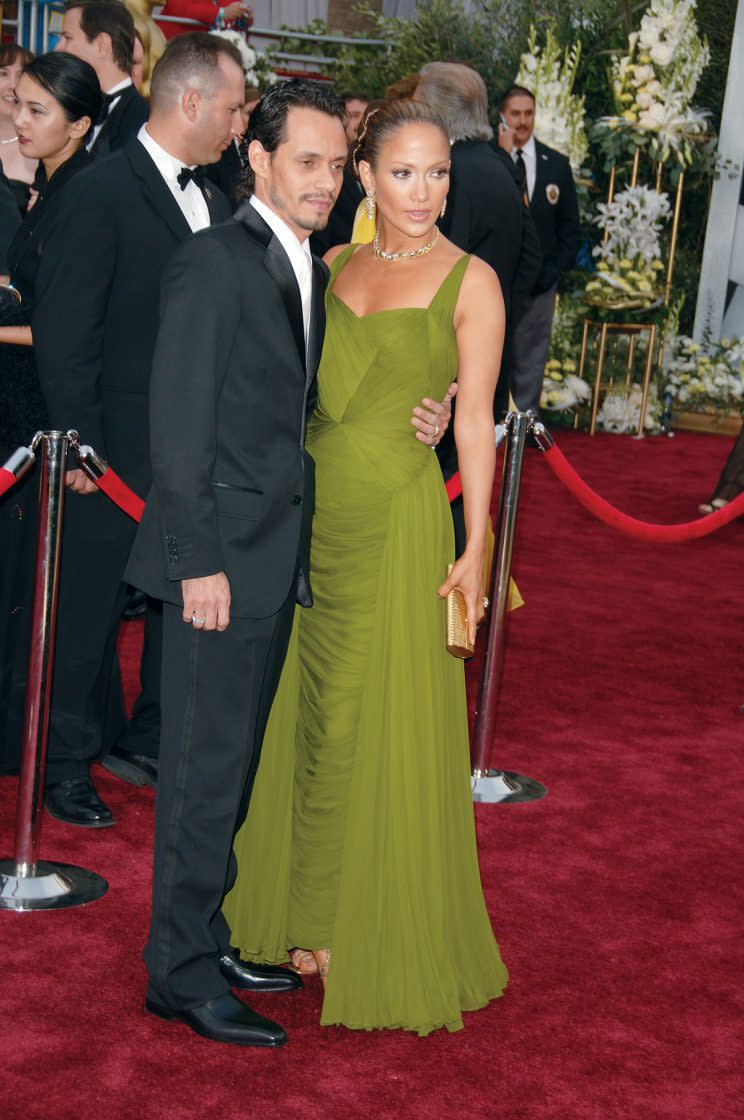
[360,843]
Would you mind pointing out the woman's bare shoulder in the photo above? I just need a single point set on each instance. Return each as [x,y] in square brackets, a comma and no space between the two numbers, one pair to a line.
[480,279]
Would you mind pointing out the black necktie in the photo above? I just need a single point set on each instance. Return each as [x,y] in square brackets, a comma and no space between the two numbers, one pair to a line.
[109,99]
[522,169]
[190,174]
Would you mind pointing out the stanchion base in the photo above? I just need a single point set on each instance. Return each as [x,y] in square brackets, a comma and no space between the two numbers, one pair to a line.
[54,886]
[505,787]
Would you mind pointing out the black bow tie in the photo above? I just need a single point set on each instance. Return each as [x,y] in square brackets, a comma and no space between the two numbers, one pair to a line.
[110,98]
[190,174]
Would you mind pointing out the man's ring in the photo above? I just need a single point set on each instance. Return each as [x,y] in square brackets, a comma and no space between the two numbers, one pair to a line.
[197,621]
[485,603]
[436,430]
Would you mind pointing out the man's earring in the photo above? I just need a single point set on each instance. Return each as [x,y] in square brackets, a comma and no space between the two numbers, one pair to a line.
[370,205]
[444,208]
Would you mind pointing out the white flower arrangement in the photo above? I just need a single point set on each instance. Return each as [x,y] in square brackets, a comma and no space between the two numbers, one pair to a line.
[655,82]
[629,259]
[563,390]
[256,66]
[705,377]
[549,73]
[621,411]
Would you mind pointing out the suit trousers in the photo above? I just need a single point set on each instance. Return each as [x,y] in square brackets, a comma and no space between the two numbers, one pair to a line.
[217,691]
[530,349]
[87,712]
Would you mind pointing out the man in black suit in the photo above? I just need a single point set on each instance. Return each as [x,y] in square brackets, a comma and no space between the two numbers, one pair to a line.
[548,181]
[94,325]
[224,541]
[101,32]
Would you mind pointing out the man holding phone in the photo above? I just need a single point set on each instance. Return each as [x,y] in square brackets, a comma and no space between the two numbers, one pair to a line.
[545,178]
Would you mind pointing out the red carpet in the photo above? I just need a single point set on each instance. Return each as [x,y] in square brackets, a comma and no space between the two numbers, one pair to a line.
[617,900]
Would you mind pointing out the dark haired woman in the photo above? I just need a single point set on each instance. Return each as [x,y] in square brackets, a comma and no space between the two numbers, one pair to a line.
[18,167]
[57,100]
[360,843]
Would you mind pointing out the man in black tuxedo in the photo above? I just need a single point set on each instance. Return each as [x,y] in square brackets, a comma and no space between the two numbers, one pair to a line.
[548,181]
[101,32]
[94,325]
[224,541]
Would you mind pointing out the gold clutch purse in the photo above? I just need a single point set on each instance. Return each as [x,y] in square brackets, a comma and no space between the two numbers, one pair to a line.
[458,642]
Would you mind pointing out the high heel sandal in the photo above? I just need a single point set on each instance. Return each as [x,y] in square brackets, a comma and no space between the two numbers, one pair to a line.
[323,968]
[300,959]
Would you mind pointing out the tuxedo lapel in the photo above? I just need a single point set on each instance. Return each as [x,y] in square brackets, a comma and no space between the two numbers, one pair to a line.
[280,270]
[157,191]
[317,319]
[102,145]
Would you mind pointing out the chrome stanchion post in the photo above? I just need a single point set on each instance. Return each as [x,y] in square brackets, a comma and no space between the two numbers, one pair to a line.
[26,883]
[501,785]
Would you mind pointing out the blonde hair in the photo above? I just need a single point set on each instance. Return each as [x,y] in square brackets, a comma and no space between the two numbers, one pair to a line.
[458,94]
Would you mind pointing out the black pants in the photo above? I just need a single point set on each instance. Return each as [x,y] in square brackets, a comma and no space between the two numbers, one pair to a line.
[217,691]
[87,711]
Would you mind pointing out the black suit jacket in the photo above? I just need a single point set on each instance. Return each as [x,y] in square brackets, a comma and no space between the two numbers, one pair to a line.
[555,211]
[95,318]
[486,216]
[233,489]
[122,124]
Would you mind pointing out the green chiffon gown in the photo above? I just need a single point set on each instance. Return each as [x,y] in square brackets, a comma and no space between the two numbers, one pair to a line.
[360,836]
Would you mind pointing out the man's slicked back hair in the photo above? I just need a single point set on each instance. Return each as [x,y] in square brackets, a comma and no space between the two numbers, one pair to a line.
[269,118]
[190,61]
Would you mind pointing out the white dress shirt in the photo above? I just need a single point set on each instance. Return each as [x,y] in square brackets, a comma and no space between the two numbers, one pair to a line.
[299,255]
[191,200]
[529,155]
[118,88]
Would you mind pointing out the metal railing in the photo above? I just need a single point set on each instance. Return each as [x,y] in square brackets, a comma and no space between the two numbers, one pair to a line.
[32,28]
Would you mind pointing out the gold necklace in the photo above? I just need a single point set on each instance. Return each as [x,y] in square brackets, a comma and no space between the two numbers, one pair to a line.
[403,253]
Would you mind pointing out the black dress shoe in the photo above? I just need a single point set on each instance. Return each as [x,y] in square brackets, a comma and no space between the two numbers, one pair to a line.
[137,769]
[225,1019]
[75,801]
[258,977]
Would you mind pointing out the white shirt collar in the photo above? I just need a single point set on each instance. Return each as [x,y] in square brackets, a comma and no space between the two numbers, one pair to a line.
[119,87]
[289,240]
[529,150]
[168,166]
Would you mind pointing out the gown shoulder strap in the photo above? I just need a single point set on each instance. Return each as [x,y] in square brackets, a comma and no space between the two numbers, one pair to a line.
[338,263]
[449,290]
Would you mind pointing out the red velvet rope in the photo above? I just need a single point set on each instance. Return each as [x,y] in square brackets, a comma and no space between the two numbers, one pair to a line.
[453,486]
[120,494]
[7,479]
[641,530]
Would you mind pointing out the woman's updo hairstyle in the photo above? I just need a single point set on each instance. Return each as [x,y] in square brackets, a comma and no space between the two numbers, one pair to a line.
[383,121]
[72,83]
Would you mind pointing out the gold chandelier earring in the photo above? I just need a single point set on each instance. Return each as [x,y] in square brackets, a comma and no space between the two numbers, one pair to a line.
[443,211]
[371,205]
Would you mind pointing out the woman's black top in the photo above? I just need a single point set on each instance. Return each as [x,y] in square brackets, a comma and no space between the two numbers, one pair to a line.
[22,407]
[26,247]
